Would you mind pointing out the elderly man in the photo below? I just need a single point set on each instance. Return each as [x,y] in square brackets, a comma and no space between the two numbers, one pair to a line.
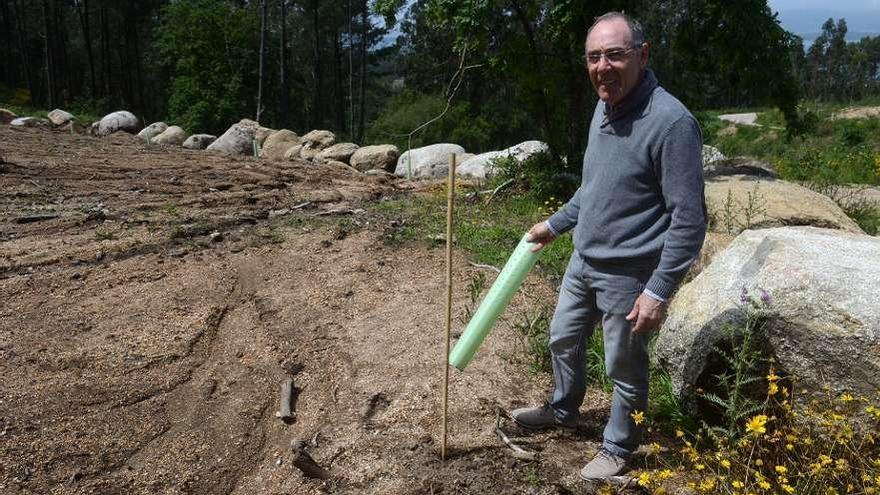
[639,220]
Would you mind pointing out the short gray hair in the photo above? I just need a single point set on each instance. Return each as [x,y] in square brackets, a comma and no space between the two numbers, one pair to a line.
[635,27]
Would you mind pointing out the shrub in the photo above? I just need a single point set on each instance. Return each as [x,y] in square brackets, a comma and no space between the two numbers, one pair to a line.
[543,175]
[409,110]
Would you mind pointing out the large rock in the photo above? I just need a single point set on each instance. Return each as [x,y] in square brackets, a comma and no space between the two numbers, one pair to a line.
[263,133]
[238,139]
[152,130]
[739,165]
[481,166]
[118,121]
[378,157]
[315,141]
[318,140]
[824,327]
[711,154]
[340,152]
[428,162]
[7,116]
[739,201]
[199,141]
[278,142]
[59,117]
[292,153]
[172,136]
[713,244]
[29,122]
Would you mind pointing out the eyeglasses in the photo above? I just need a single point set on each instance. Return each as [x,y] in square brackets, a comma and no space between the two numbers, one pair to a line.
[615,55]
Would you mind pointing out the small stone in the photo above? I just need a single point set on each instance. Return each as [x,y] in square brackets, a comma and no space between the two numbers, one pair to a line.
[216,237]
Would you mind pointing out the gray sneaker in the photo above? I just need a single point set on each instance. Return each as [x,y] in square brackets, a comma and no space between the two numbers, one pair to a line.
[539,418]
[604,465]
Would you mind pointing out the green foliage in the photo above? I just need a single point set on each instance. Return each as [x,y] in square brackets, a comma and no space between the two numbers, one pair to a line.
[544,175]
[409,110]
[710,124]
[835,164]
[595,361]
[743,362]
[205,46]
[865,213]
[533,330]
[665,407]
[708,67]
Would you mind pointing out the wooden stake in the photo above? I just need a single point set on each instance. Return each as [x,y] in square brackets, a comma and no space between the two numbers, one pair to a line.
[450,196]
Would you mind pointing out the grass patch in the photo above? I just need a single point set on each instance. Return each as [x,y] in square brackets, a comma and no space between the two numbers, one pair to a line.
[81,112]
[488,230]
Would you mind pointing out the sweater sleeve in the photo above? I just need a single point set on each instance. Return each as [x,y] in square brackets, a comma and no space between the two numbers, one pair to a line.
[566,217]
[681,181]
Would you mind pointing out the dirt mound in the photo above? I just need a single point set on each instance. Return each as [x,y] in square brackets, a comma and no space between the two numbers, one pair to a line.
[155,299]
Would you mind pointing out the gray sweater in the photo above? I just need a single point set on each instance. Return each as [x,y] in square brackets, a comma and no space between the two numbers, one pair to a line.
[641,199]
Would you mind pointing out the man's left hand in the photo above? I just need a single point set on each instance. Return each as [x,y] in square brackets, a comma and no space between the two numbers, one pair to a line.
[648,313]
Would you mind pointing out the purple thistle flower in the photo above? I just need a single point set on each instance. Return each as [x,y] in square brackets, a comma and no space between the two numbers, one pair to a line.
[766,298]
[744,296]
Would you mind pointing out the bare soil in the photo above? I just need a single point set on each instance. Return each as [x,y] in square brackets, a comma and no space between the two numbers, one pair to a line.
[152,300]
[858,113]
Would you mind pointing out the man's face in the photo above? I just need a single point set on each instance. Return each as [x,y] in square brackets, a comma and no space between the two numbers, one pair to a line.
[614,79]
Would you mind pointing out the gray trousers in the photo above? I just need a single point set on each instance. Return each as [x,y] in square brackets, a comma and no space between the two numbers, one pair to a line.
[591,292]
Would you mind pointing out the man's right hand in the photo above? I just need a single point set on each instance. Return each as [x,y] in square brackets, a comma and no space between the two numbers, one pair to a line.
[540,235]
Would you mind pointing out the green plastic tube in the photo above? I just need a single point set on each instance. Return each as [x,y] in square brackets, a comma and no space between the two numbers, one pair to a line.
[515,270]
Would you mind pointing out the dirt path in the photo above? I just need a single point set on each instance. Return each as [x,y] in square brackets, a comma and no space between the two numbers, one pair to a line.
[154,300]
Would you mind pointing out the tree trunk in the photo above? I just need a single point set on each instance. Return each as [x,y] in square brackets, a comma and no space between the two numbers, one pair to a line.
[284,104]
[21,22]
[82,9]
[9,70]
[535,55]
[62,66]
[263,16]
[105,55]
[316,116]
[365,30]
[48,54]
[337,83]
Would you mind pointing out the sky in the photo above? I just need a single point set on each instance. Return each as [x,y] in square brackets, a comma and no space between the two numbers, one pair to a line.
[805,17]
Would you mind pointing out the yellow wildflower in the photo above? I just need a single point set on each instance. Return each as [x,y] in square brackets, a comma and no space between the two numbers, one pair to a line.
[679,433]
[757,425]
[725,463]
[764,485]
[707,485]
[772,377]
[787,488]
[781,469]
[738,484]
[772,389]
[638,417]
[846,398]
[644,479]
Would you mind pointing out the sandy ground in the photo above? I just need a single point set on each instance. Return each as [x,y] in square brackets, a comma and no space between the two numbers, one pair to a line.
[857,113]
[154,299]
